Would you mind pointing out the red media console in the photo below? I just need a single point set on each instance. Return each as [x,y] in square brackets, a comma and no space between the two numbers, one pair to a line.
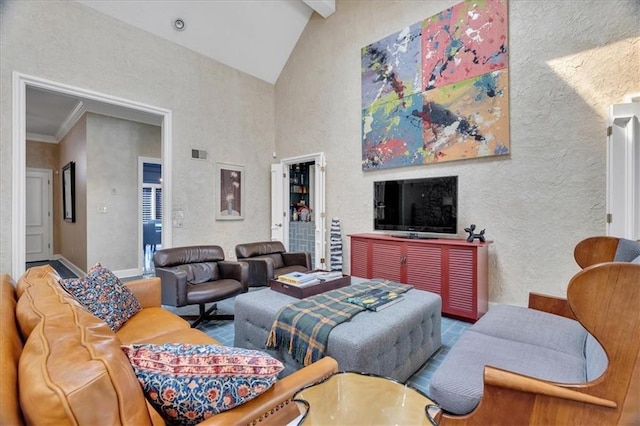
[454,269]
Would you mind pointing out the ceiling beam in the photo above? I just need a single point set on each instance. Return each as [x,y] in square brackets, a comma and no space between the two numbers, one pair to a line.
[325,8]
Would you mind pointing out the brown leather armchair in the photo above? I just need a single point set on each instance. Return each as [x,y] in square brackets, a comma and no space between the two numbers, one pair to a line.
[268,259]
[198,275]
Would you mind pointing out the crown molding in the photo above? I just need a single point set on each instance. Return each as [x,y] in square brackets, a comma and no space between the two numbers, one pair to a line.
[37,137]
[70,121]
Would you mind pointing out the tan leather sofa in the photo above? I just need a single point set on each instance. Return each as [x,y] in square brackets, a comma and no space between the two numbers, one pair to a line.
[61,365]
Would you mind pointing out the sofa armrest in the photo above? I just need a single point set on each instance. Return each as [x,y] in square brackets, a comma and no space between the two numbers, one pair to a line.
[148,291]
[551,304]
[302,258]
[260,270]
[238,271]
[275,405]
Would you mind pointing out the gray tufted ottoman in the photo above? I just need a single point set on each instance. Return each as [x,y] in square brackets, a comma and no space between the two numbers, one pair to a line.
[393,342]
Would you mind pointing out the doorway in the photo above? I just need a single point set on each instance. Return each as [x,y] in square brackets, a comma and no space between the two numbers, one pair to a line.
[150,208]
[20,84]
[298,205]
[39,215]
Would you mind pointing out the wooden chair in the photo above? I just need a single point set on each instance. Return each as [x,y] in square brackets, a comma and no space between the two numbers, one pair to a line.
[605,299]
[600,249]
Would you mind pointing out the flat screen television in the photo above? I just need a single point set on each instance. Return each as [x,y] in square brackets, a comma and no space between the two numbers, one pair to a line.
[427,205]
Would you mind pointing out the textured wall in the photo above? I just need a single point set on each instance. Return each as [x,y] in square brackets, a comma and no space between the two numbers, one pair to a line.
[113,149]
[216,108]
[568,60]
[73,235]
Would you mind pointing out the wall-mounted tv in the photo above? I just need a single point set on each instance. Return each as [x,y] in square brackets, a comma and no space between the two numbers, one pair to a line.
[428,205]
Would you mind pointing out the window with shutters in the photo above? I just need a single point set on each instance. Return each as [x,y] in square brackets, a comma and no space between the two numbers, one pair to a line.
[151,202]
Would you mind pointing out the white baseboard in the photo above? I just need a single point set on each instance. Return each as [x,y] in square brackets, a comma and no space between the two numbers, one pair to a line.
[66,262]
[125,273]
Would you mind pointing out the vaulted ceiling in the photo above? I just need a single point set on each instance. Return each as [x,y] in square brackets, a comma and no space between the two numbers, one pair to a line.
[253,36]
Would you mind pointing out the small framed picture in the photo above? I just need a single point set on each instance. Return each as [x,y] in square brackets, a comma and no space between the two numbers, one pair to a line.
[230,192]
[69,192]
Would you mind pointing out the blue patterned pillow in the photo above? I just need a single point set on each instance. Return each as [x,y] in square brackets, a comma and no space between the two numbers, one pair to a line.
[104,295]
[190,383]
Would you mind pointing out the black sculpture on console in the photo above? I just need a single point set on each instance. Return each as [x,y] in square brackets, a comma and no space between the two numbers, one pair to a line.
[473,236]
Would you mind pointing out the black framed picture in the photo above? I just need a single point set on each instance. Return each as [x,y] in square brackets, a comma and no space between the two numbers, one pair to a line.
[69,192]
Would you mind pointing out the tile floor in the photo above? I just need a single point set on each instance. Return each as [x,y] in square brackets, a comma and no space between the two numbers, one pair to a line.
[223,332]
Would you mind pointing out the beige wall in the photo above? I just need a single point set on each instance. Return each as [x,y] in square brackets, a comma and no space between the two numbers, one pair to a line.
[223,111]
[568,61]
[41,155]
[72,239]
[114,146]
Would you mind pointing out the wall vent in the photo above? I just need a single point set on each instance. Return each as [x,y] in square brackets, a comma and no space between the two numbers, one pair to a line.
[198,154]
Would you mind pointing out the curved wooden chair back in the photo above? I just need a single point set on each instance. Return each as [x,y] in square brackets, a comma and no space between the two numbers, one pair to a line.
[594,250]
[605,298]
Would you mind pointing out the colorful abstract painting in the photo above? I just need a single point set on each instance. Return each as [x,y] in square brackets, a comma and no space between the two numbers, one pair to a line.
[391,67]
[464,41]
[438,89]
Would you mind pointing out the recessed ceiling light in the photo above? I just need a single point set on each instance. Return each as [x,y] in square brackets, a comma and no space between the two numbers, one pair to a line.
[179,24]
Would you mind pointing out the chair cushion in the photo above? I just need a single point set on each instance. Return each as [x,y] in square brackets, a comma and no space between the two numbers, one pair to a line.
[198,273]
[457,384]
[104,295]
[627,250]
[534,327]
[190,383]
[262,248]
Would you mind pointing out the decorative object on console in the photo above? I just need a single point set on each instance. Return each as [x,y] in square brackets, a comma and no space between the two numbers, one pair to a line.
[472,235]
[230,192]
[438,90]
[336,245]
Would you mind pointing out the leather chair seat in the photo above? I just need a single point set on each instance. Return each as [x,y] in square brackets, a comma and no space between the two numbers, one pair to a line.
[221,289]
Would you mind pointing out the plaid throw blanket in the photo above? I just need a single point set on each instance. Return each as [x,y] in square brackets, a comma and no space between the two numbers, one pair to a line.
[303,327]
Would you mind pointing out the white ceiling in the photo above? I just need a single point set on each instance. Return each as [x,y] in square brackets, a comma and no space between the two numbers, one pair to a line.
[253,36]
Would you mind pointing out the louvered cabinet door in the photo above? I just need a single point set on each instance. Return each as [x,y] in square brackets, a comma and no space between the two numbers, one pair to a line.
[465,295]
[424,267]
[387,260]
[360,258]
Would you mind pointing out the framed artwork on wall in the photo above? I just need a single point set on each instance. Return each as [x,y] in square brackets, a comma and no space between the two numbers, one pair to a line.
[437,90]
[230,192]
[69,192]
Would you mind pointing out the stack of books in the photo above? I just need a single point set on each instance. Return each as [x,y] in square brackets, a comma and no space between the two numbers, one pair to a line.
[375,300]
[299,279]
[327,275]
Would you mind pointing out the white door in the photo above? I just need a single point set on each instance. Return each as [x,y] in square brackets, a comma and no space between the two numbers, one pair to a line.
[278,214]
[39,220]
[320,221]
[623,171]
[280,203]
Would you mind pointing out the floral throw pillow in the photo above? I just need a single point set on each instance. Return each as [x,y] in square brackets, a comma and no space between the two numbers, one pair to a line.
[190,383]
[104,295]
